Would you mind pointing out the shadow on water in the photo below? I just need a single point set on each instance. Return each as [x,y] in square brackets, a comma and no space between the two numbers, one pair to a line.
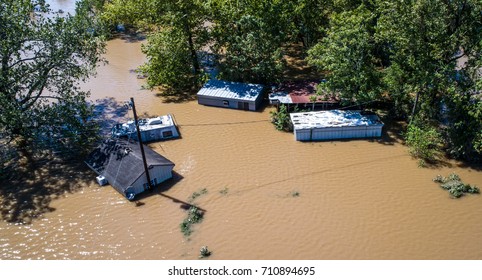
[129,36]
[27,193]
[173,96]
[392,132]
[108,112]
[163,187]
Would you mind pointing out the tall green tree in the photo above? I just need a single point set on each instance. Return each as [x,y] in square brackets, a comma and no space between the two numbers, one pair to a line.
[250,53]
[248,36]
[43,56]
[347,54]
[169,59]
[141,14]
[310,18]
[176,33]
[426,39]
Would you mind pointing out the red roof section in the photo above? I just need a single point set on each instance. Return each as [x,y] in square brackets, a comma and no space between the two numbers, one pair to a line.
[301,91]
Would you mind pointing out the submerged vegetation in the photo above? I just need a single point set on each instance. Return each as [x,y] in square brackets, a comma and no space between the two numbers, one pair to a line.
[197,194]
[194,216]
[224,191]
[424,142]
[295,193]
[454,185]
[204,252]
[281,119]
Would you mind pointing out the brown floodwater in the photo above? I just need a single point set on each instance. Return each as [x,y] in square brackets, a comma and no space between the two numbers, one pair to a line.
[268,196]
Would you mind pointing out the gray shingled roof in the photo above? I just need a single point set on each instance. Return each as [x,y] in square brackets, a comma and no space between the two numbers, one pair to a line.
[120,162]
[231,90]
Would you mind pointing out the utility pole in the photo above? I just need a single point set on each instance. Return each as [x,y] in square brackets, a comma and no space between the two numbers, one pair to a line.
[140,145]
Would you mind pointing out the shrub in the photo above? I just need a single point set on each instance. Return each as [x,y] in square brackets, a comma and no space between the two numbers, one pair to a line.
[204,251]
[194,216]
[424,142]
[195,195]
[281,119]
[454,185]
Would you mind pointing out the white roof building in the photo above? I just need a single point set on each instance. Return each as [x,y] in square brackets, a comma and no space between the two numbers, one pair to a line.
[335,124]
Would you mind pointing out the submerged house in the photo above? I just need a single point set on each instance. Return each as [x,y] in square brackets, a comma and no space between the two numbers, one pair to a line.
[335,124]
[119,163]
[300,94]
[151,129]
[231,95]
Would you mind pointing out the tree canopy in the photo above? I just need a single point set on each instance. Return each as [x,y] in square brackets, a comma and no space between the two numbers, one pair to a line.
[43,56]
[347,53]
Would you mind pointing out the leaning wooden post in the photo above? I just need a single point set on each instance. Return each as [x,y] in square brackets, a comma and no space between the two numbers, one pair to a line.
[146,169]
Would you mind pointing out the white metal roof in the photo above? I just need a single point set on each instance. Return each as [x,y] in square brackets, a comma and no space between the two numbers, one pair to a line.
[231,90]
[332,118]
[281,96]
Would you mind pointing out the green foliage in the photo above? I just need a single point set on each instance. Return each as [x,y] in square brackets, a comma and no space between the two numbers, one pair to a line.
[139,13]
[43,57]
[424,142]
[454,185]
[194,216]
[224,191]
[204,252]
[465,129]
[281,119]
[176,34]
[295,193]
[169,63]
[251,52]
[425,39]
[310,17]
[347,54]
[195,195]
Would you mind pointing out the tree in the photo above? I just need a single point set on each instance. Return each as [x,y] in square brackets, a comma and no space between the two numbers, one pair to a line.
[310,18]
[248,36]
[424,141]
[176,34]
[426,39]
[250,53]
[169,61]
[464,130]
[281,119]
[347,54]
[43,56]
[141,14]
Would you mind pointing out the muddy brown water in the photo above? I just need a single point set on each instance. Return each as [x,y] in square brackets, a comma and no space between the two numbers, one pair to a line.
[268,196]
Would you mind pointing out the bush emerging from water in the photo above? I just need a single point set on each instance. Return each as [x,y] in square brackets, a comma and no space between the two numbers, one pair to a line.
[195,215]
[224,191]
[281,119]
[454,185]
[424,142]
[204,252]
[195,195]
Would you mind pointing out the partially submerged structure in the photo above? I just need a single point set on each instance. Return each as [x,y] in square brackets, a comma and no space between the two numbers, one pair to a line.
[300,94]
[152,129]
[335,124]
[231,95]
[119,163]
